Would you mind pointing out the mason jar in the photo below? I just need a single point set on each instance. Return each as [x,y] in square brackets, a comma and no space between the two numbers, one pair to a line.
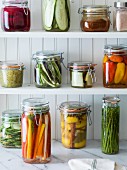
[11,74]
[110,125]
[15,15]
[115,66]
[36,131]
[74,123]
[56,15]
[82,74]
[48,69]
[10,130]
[96,18]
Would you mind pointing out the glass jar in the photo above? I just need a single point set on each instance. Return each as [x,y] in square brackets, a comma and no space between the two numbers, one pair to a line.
[36,131]
[56,15]
[115,66]
[120,15]
[82,74]
[48,70]
[11,74]
[15,15]
[74,123]
[95,18]
[10,131]
[110,125]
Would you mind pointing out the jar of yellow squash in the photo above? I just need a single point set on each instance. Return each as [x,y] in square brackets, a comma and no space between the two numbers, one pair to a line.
[74,124]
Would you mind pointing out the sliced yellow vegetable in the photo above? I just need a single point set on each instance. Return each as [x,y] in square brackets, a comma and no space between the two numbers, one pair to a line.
[80,144]
[119,74]
[72,120]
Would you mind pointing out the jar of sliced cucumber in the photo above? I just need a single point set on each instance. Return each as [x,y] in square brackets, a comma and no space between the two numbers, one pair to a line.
[56,15]
[10,130]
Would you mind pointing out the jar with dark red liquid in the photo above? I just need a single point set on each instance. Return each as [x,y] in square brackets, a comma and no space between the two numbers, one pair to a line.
[15,16]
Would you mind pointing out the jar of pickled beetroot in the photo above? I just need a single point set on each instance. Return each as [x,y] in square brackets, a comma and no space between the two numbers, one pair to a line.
[74,124]
[36,131]
[15,15]
[115,66]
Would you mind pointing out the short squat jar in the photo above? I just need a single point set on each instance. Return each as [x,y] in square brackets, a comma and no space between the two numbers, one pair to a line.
[120,15]
[115,66]
[110,125]
[36,131]
[95,18]
[10,130]
[74,123]
[48,69]
[11,74]
[82,74]
[15,15]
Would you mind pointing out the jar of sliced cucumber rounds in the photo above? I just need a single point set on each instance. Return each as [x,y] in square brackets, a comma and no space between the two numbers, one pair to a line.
[10,130]
[11,74]
[56,15]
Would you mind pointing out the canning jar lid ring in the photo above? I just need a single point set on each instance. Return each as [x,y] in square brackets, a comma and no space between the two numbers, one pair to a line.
[96,8]
[11,65]
[80,65]
[22,2]
[12,114]
[112,100]
[120,4]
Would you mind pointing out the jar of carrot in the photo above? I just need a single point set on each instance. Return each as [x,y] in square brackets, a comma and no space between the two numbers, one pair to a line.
[36,131]
[115,66]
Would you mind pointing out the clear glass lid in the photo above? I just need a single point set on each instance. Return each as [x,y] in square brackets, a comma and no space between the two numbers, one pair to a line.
[7,2]
[120,49]
[11,114]
[112,100]
[11,65]
[81,65]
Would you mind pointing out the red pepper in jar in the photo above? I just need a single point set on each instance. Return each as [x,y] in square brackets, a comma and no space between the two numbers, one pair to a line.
[111,69]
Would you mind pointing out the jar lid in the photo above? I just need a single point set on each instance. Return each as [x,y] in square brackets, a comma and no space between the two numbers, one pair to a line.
[25,2]
[73,107]
[112,100]
[11,65]
[95,8]
[11,114]
[115,48]
[120,4]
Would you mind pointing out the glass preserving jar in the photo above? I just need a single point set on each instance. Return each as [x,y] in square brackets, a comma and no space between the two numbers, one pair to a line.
[82,74]
[120,15]
[15,15]
[36,131]
[10,130]
[56,15]
[110,125]
[11,74]
[74,123]
[48,69]
[115,66]
[95,18]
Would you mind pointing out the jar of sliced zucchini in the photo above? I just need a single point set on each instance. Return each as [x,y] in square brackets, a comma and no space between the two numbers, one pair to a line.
[48,71]
[56,15]
[10,130]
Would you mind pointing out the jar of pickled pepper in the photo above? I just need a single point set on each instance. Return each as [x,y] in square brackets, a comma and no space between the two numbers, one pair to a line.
[115,66]
[36,131]
[74,123]
[110,125]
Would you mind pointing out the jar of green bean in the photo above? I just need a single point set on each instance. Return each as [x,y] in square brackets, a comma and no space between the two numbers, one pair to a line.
[110,125]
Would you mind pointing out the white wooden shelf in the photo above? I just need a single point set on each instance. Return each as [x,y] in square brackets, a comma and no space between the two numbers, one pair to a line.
[69,34]
[65,89]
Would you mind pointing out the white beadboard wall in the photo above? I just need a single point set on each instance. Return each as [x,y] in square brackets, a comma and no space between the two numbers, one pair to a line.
[74,49]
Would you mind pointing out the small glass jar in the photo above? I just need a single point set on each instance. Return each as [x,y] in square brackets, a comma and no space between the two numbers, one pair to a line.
[115,66]
[96,18]
[120,15]
[48,69]
[110,125]
[82,74]
[10,131]
[36,131]
[11,74]
[56,15]
[15,15]
[74,124]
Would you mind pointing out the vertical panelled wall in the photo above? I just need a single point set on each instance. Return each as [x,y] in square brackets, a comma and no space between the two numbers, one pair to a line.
[74,49]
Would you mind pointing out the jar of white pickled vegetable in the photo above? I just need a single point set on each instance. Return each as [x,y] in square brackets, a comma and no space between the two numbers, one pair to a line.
[48,70]
[56,15]
[36,131]
[10,130]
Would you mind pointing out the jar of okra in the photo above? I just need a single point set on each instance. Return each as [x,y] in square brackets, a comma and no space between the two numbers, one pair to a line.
[110,125]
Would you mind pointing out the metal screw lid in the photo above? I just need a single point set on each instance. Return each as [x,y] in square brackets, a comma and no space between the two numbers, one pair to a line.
[120,4]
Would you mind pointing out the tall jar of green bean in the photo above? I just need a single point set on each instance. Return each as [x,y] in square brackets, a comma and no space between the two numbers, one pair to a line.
[110,125]
[56,15]
[10,130]
[48,71]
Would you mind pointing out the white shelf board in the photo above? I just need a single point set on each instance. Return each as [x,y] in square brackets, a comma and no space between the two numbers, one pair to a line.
[69,34]
[65,89]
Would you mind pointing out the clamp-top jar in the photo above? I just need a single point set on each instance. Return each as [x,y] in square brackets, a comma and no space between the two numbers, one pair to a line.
[15,15]
[95,18]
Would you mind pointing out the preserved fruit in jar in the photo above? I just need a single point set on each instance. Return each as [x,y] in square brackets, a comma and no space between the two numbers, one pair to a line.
[115,66]
[36,131]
